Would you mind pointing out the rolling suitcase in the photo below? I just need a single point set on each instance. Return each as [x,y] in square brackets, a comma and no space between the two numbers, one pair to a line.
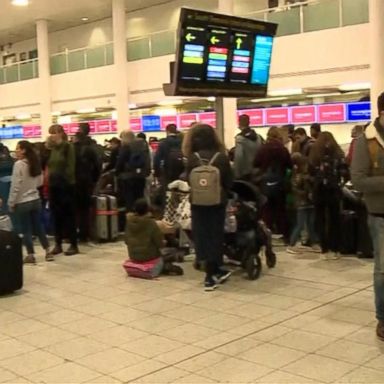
[11,262]
[105,218]
[348,233]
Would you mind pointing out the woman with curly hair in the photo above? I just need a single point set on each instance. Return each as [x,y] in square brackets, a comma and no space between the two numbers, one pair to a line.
[202,146]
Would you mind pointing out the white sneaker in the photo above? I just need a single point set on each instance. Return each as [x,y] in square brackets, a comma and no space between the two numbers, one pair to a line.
[331,256]
[293,250]
[315,249]
[303,247]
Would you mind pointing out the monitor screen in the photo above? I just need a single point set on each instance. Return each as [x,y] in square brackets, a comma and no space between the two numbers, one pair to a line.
[222,55]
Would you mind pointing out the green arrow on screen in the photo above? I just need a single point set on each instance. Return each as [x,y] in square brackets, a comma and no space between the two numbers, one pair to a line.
[239,42]
[214,40]
[189,37]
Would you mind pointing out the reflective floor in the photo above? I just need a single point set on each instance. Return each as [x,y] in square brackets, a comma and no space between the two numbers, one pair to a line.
[81,320]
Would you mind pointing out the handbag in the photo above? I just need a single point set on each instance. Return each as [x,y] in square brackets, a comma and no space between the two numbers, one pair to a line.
[5,223]
[145,270]
[183,213]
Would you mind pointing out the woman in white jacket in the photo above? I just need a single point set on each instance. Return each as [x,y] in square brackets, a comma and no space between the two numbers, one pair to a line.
[24,200]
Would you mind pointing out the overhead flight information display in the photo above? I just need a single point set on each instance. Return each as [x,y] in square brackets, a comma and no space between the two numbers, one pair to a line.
[221,55]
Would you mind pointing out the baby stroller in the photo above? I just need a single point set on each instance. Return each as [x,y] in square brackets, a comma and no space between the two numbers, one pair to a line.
[244,243]
[245,233]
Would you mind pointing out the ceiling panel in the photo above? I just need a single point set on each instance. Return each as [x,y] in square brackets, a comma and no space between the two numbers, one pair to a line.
[18,23]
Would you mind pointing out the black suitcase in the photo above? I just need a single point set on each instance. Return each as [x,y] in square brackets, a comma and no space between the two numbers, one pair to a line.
[364,239]
[348,233]
[11,262]
[106,218]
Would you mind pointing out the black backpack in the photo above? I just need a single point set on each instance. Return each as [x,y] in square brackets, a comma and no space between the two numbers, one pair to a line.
[174,162]
[139,162]
[273,181]
[328,173]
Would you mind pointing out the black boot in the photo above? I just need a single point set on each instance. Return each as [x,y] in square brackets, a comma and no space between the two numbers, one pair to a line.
[72,250]
[56,251]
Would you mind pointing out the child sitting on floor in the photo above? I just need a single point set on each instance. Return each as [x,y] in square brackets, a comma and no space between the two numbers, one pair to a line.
[145,240]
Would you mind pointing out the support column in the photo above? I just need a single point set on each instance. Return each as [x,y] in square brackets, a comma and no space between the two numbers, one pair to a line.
[45,96]
[226,108]
[120,57]
[376,15]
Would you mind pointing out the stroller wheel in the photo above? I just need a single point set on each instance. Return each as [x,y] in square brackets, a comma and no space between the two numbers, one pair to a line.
[271,259]
[253,266]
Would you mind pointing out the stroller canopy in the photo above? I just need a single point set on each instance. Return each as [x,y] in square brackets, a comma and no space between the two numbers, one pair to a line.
[248,192]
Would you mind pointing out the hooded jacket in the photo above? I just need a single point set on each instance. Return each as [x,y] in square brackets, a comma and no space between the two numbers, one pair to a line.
[143,238]
[366,177]
[248,144]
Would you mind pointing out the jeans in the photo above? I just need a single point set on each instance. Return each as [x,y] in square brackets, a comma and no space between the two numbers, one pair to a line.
[274,214]
[63,207]
[376,226]
[305,220]
[131,189]
[83,210]
[27,221]
[208,236]
[327,205]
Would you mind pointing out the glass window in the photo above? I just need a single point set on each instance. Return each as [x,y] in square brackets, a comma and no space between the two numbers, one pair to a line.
[138,49]
[27,71]
[96,57]
[76,60]
[288,20]
[12,73]
[109,49]
[2,80]
[321,15]
[355,12]
[59,64]
[163,43]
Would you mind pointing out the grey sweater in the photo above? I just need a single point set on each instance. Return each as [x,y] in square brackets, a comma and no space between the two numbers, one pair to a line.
[365,177]
[23,186]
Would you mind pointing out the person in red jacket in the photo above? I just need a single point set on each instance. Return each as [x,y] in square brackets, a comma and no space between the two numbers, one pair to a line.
[272,163]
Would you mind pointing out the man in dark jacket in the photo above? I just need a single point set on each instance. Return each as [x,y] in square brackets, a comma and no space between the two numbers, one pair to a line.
[6,166]
[88,168]
[168,164]
[368,177]
[248,144]
[302,142]
[132,169]
[115,148]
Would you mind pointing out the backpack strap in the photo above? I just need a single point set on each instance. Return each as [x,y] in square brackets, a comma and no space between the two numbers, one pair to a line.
[373,148]
[214,158]
[201,161]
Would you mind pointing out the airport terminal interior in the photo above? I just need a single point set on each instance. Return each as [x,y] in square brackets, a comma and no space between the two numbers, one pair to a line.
[228,271]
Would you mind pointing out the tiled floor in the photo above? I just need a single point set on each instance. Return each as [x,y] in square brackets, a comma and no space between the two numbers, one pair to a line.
[81,320]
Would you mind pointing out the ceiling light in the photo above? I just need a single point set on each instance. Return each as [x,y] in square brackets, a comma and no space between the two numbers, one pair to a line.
[132,106]
[86,110]
[23,116]
[286,92]
[64,120]
[20,3]
[56,113]
[268,99]
[165,111]
[84,18]
[323,95]
[166,103]
[354,86]
[211,98]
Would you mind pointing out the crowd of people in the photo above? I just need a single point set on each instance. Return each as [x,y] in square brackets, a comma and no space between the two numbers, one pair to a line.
[296,172]
[300,175]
